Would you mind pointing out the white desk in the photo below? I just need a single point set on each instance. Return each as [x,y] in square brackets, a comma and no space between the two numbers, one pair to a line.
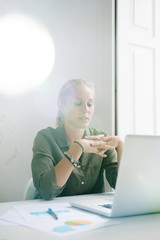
[145,227]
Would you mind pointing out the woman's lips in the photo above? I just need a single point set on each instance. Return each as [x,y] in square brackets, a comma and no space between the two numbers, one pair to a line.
[84,118]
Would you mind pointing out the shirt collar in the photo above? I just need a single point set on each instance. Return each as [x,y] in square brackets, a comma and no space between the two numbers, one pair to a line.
[86,133]
[61,137]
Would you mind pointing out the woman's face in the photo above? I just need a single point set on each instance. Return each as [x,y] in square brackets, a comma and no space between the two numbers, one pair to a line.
[79,107]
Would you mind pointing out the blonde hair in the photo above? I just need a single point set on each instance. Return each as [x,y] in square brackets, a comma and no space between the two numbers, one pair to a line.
[66,90]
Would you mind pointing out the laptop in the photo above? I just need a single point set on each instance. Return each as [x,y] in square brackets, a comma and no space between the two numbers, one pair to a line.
[138,182]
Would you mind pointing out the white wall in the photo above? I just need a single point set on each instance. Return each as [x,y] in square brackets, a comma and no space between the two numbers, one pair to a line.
[82,33]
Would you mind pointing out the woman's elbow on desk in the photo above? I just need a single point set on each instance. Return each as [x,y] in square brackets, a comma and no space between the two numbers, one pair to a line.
[47,193]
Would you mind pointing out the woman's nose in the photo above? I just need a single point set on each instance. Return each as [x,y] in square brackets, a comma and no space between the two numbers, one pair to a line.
[84,107]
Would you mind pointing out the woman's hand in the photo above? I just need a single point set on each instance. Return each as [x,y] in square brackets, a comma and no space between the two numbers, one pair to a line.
[96,144]
[112,141]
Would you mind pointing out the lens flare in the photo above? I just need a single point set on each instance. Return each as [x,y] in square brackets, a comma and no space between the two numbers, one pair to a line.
[27,54]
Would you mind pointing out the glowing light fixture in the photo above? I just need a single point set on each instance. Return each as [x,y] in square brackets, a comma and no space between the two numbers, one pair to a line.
[27,54]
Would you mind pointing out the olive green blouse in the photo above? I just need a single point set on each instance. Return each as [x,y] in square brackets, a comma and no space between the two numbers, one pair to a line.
[49,147]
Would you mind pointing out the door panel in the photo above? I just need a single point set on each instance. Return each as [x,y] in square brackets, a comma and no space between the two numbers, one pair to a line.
[138,58]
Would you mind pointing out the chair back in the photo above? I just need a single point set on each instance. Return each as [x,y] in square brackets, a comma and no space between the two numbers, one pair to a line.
[30,191]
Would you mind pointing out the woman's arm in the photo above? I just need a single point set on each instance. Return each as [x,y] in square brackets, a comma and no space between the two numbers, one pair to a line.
[113,141]
[64,168]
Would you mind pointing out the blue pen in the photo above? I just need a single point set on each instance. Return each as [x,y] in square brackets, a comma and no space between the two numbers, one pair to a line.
[50,211]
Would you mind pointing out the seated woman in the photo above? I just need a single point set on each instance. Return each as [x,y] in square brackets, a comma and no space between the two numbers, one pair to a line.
[71,158]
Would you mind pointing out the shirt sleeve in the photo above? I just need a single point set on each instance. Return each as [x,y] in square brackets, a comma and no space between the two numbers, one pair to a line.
[110,165]
[43,167]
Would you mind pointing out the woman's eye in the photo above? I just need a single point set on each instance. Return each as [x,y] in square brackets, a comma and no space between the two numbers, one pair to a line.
[90,104]
[77,104]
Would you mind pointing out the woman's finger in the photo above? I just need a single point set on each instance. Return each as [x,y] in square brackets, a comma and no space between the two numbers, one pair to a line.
[102,146]
[95,137]
[101,153]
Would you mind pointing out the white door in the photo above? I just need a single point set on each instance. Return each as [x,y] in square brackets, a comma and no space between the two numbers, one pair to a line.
[138,67]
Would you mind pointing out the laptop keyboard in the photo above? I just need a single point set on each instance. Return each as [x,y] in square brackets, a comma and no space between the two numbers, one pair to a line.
[109,205]
[108,200]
